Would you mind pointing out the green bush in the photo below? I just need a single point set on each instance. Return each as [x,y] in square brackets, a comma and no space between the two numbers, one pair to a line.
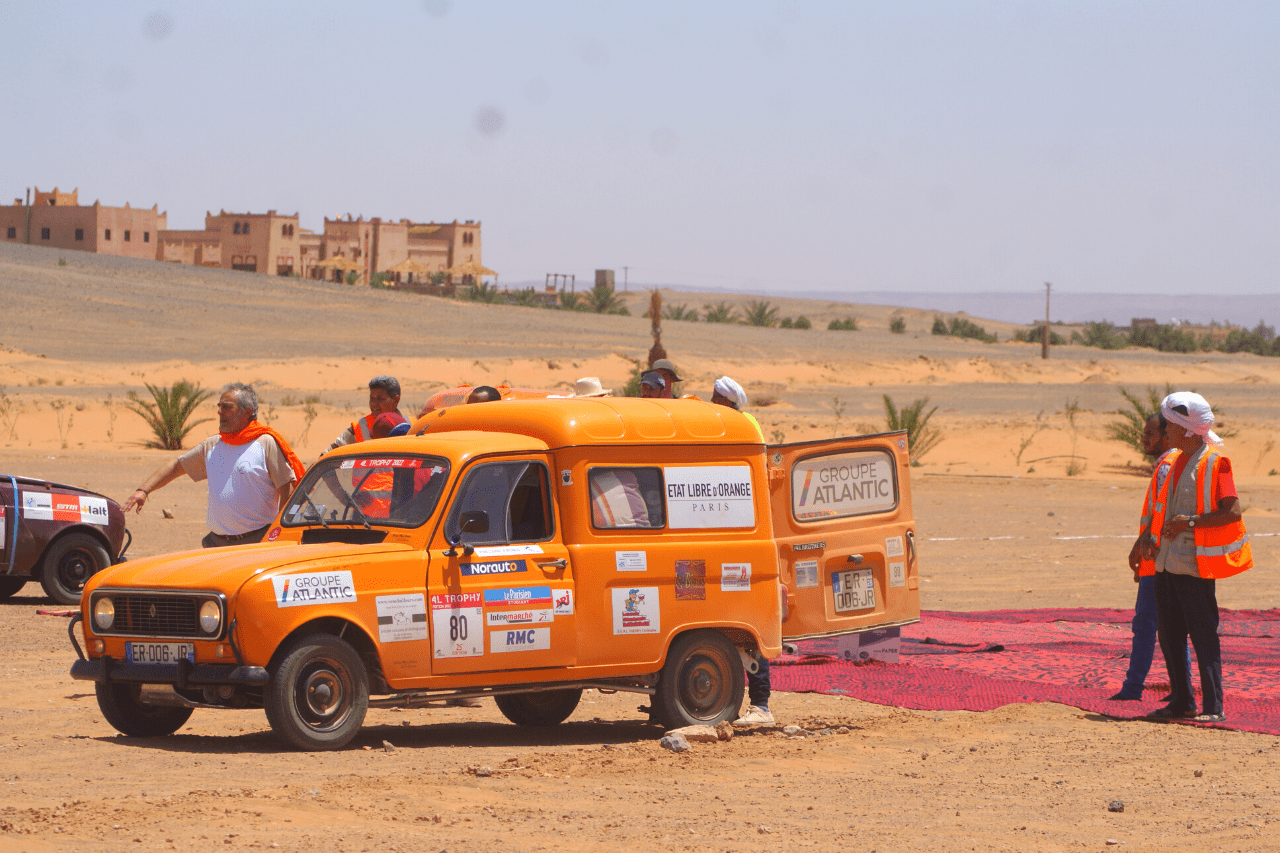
[760,313]
[939,326]
[1035,335]
[721,312]
[963,328]
[848,324]
[1134,419]
[679,312]
[802,322]
[898,325]
[168,414]
[921,438]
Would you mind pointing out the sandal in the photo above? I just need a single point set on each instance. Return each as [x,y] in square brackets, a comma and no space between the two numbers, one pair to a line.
[1209,718]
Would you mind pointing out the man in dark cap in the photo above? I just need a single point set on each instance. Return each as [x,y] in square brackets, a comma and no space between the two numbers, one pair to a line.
[653,386]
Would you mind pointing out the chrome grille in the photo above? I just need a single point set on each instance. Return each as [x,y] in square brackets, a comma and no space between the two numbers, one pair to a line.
[160,615]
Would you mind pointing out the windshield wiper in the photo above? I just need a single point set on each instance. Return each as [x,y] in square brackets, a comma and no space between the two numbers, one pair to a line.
[319,514]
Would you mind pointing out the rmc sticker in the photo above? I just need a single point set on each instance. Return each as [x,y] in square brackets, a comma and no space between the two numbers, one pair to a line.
[314,588]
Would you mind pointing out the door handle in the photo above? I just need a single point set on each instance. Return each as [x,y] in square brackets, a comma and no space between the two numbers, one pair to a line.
[911,546]
[559,563]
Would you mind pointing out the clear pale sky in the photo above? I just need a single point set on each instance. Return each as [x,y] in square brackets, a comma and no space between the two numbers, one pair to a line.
[776,146]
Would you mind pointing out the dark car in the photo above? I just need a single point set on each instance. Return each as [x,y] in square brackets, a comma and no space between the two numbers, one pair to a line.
[57,534]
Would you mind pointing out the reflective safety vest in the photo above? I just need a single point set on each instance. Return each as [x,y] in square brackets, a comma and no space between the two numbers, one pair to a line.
[1164,465]
[1220,551]
[363,428]
[373,493]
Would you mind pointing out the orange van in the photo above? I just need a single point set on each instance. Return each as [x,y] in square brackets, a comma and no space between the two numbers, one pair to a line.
[528,550]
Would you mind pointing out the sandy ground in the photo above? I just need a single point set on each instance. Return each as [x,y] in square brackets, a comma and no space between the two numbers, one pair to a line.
[994,534]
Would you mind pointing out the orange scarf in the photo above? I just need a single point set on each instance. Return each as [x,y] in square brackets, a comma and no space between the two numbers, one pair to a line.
[256,430]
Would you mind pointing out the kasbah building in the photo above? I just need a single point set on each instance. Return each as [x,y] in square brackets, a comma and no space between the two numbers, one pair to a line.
[268,242]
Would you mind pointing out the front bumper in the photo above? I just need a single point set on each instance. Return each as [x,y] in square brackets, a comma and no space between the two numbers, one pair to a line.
[107,669]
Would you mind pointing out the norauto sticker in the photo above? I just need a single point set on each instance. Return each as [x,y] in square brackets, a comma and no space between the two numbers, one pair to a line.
[381,463]
[494,567]
[314,588]
[709,496]
[524,596]
[58,506]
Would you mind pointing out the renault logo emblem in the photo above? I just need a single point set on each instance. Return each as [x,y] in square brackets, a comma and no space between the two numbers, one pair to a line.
[152,611]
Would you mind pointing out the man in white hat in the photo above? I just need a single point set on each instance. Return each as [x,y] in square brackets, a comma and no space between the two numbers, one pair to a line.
[1201,537]
[589,386]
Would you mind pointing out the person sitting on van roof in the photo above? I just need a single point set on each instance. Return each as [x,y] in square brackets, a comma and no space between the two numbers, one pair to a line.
[589,386]
[484,394]
[652,385]
[730,393]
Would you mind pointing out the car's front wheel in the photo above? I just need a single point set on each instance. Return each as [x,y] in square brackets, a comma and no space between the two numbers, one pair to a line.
[124,710]
[71,561]
[318,693]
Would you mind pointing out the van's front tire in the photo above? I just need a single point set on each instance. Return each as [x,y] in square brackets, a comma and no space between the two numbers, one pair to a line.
[122,708]
[702,682]
[545,708]
[318,694]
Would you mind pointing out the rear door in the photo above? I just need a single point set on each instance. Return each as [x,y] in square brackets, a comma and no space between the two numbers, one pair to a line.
[846,536]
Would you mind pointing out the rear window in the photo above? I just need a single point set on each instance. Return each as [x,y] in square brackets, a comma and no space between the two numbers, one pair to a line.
[839,485]
[401,490]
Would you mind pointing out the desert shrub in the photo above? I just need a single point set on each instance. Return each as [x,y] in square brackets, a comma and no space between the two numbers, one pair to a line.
[680,312]
[480,292]
[170,411]
[939,326]
[1103,335]
[1134,419]
[848,324]
[786,323]
[898,325]
[721,312]
[1163,338]
[760,313]
[802,322]
[379,281]
[527,297]
[963,328]
[1035,335]
[921,438]
[602,299]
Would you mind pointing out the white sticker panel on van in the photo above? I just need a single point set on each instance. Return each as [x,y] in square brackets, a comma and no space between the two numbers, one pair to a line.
[806,574]
[843,484]
[709,496]
[897,574]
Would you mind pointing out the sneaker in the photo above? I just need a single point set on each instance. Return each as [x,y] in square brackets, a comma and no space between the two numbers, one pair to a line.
[1125,697]
[464,702]
[755,716]
[1170,713]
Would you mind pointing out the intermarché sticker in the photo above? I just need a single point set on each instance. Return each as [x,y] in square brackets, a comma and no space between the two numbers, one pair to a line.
[314,588]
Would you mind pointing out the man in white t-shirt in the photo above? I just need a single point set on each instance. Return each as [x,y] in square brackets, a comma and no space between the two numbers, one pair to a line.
[250,469]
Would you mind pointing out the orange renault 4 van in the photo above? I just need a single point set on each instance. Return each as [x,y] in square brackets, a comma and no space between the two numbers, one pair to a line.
[525,550]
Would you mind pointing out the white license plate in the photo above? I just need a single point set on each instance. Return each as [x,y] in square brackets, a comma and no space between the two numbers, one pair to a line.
[159,652]
[853,590]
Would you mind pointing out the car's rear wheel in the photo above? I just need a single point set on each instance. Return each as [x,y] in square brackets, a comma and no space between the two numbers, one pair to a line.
[9,585]
[544,708]
[318,693]
[121,705]
[702,682]
[70,562]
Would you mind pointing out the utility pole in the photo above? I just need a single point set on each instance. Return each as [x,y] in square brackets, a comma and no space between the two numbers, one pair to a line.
[28,237]
[624,279]
[1044,338]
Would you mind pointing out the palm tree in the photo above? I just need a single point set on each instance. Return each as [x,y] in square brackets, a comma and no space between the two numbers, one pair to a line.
[761,313]
[921,438]
[168,415]
[721,312]
[603,300]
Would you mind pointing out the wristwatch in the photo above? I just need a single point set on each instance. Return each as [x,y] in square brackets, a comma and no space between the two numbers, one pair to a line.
[1191,521]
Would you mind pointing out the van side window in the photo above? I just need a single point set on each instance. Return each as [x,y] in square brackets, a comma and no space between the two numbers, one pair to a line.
[626,498]
[514,496]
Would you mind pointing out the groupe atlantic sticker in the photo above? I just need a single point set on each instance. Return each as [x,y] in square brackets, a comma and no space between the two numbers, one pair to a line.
[314,588]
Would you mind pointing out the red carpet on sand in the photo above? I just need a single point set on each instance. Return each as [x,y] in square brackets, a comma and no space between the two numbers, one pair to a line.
[980,661]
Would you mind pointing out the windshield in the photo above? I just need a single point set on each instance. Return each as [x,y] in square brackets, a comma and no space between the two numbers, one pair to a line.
[391,491]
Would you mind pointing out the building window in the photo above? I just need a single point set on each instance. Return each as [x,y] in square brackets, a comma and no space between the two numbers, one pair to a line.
[146,236]
[79,233]
[127,235]
[12,233]
[44,233]
[106,234]
[235,229]
[244,229]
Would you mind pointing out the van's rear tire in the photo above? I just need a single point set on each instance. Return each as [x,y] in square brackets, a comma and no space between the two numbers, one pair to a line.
[10,584]
[318,694]
[121,706]
[702,682]
[544,708]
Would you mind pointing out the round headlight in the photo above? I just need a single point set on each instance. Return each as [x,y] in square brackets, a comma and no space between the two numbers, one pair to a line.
[210,617]
[104,613]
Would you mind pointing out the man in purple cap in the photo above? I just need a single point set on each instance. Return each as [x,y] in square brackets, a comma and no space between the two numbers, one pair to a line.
[664,368]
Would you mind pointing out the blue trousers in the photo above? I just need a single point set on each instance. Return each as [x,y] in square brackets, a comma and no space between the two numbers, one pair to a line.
[758,684]
[1188,607]
[1144,640]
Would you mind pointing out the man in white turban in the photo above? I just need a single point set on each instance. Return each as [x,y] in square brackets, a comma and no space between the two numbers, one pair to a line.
[730,393]
[1201,538]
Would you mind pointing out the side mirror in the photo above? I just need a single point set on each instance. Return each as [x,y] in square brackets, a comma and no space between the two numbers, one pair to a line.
[474,521]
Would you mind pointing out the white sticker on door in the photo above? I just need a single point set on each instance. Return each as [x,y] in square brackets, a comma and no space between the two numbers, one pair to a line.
[897,574]
[457,621]
[630,561]
[401,618]
[893,546]
[735,577]
[635,610]
[806,574]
